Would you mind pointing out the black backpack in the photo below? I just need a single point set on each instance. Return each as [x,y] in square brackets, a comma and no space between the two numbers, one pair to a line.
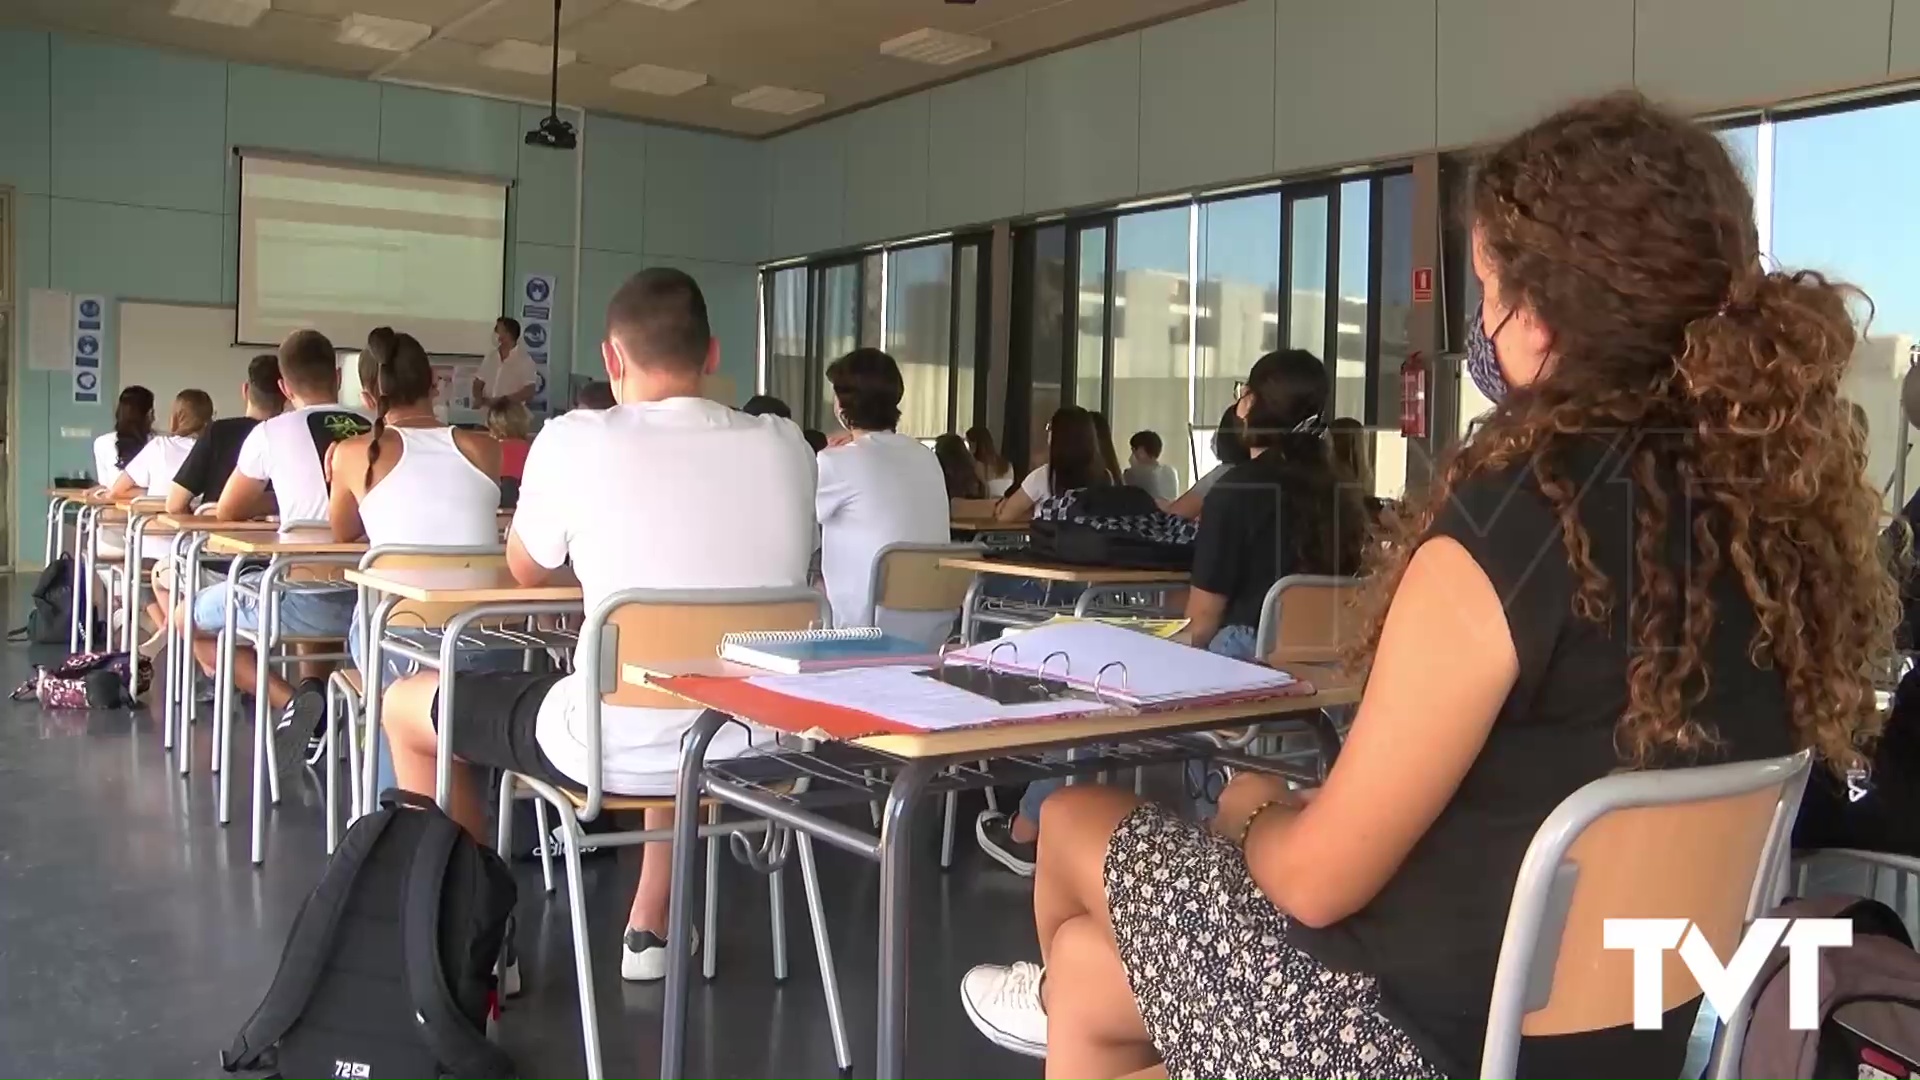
[52,614]
[1113,526]
[389,969]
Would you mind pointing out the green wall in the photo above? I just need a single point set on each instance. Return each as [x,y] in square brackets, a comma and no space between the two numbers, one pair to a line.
[125,185]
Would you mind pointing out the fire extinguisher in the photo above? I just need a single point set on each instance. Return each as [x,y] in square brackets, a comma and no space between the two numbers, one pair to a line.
[1413,397]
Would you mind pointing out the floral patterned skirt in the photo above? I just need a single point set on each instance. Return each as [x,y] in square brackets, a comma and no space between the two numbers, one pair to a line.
[1222,992]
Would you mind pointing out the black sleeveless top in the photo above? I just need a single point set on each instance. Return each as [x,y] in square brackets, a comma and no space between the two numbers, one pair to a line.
[1432,935]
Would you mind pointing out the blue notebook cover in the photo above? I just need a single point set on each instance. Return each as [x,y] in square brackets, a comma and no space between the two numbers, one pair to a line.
[823,650]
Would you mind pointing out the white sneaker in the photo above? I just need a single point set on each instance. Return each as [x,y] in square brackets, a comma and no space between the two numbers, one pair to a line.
[1004,1003]
[154,645]
[643,954]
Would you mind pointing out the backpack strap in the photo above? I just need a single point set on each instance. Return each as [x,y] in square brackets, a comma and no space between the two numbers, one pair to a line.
[461,1049]
[307,949]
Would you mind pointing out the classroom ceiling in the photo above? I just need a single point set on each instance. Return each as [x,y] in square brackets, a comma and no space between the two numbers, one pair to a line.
[826,47]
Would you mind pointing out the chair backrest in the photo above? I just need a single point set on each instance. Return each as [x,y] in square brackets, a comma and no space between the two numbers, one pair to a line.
[640,625]
[1705,844]
[403,557]
[635,626]
[909,577]
[973,509]
[1307,618]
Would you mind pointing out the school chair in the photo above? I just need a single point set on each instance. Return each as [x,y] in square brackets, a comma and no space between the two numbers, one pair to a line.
[346,687]
[1305,619]
[908,578]
[972,509]
[641,626]
[1707,844]
[1883,868]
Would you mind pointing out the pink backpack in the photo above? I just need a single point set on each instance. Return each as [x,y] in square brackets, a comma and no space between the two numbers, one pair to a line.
[89,681]
[1869,1002]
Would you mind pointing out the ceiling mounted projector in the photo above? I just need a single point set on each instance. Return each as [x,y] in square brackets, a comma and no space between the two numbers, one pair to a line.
[553,132]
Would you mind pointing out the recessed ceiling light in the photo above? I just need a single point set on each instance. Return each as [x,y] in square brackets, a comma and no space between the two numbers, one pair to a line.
[663,5]
[930,46]
[524,57]
[224,12]
[778,99]
[654,79]
[380,32]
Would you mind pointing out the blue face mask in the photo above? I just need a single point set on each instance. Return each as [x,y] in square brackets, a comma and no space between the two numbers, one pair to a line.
[1483,360]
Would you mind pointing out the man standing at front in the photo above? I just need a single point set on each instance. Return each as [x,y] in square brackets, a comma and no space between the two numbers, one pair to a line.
[666,490]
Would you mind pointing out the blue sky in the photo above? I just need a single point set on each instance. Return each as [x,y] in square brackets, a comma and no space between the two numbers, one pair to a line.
[1844,202]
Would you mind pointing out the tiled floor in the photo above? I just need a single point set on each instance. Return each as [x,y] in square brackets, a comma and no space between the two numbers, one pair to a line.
[135,938]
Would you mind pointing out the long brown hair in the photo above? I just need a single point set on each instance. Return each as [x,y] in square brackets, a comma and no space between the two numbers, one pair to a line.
[192,412]
[1628,233]
[1073,452]
[404,376]
[957,465]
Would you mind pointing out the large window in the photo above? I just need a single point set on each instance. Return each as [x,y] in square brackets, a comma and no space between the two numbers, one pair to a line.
[1172,305]
[1151,330]
[920,302]
[1842,202]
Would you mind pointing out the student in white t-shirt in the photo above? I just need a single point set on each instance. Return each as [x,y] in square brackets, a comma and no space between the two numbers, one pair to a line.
[666,490]
[287,451]
[1074,461]
[877,487]
[506,371]
[150,473]
[132,427]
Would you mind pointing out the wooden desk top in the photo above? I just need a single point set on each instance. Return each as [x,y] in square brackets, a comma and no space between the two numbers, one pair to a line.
[88,496]
[301,541]
[986,525]
[142,504]
[209,523]
[1083,575]
[478,585]
[1331,688]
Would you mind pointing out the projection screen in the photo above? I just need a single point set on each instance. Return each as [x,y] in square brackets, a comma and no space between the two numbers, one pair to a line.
[342,249]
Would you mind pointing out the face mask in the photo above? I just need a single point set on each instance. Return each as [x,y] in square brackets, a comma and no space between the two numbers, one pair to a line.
[1483,361]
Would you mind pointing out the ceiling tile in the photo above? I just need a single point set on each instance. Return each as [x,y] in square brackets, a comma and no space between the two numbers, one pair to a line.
[831,47]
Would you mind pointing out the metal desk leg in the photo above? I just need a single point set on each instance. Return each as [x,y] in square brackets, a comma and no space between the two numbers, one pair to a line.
[136,542]
[967,608]
[223,698]
[167,684]
[890,1049]
[443,707]
[686,858]
[186,591]
[266,779]
[56,524]
[370,688]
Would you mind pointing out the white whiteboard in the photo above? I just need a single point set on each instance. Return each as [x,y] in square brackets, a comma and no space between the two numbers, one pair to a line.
[168,348]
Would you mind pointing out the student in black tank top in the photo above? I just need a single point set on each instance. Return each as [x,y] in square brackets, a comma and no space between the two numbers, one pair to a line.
[1660,551]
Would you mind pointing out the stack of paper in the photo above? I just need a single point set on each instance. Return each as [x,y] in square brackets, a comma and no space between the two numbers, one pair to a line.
[906,696]
[1138,669]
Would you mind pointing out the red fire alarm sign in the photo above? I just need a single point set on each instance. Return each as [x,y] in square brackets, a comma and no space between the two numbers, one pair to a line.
[1423,284]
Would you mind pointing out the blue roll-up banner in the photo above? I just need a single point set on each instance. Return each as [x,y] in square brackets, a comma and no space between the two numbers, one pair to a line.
[89,342]
[539,297]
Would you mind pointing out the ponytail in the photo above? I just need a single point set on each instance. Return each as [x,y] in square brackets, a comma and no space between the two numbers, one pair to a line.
[403,376]
[382,391]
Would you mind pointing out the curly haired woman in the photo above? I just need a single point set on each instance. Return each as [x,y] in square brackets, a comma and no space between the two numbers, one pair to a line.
[1660,551]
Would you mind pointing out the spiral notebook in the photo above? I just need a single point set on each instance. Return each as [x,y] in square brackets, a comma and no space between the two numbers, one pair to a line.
[795,652]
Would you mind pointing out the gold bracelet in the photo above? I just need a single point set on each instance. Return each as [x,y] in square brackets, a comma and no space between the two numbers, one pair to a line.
[1246,827]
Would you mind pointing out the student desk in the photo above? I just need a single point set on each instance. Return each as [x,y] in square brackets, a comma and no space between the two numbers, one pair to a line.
[476,594]
[967,528]
[283,550]
[1098,581]
[190,532]
[59,501]
[87,504]
[919,761]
